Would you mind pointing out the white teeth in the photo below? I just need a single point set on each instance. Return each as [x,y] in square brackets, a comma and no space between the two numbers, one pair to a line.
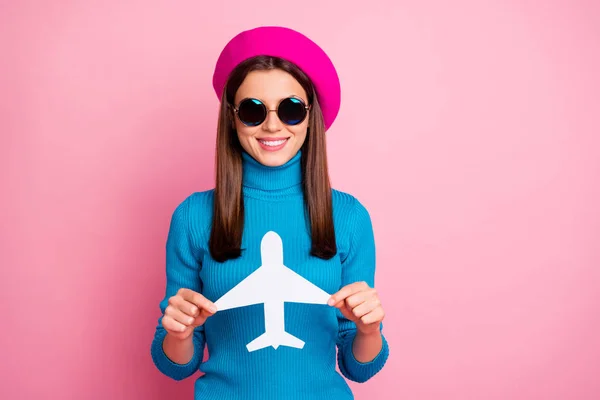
[272,143]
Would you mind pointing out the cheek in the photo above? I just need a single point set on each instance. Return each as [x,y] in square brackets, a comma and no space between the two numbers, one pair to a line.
[300,132]
[244,132]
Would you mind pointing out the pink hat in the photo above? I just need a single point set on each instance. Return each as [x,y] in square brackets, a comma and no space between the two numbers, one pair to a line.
[292,46]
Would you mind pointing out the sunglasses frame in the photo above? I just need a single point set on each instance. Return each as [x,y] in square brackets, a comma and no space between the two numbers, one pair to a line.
[267,111]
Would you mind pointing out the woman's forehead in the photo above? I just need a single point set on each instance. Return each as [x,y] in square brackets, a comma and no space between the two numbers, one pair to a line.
[270,87]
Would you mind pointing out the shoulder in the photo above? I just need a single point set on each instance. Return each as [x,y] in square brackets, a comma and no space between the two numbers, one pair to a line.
[351,220]
[350,214]
[201,199]
[193,215]
[195,201]
[348,205]
[196,208]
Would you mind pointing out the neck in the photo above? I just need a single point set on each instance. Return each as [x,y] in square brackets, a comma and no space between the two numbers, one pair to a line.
[257,176]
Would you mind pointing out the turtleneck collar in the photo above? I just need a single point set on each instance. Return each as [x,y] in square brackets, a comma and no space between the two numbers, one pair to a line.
[283,178]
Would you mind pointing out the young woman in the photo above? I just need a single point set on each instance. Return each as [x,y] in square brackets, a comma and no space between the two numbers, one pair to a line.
[299,255]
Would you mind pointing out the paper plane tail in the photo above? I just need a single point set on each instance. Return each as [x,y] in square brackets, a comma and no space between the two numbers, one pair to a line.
[274,340]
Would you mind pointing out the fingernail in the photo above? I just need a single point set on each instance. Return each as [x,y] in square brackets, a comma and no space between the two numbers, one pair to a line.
[331,302]
[213,308]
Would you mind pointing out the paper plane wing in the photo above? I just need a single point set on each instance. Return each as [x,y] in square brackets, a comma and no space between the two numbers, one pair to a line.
[252,290]
[297,289]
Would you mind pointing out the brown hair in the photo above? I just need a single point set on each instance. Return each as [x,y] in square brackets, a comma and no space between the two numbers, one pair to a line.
[228,208]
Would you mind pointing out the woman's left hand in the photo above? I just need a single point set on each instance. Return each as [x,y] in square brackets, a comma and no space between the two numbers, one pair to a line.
[360,304]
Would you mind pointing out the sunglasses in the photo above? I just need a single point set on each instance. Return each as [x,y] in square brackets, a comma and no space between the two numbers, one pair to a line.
[253,112]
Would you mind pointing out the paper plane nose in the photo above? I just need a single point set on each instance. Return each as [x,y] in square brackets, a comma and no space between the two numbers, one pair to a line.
[271,249]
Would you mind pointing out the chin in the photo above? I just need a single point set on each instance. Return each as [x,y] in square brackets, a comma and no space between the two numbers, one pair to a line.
[274,159]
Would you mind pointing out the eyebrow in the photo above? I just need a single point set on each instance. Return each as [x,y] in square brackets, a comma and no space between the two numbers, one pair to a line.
[264,102]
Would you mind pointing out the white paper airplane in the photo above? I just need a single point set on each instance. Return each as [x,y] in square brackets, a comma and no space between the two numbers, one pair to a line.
[272,284]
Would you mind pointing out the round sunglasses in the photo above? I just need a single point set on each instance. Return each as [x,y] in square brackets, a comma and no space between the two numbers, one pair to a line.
[253,112]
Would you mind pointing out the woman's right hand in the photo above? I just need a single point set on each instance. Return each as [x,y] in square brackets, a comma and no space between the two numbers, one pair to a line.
[186,310]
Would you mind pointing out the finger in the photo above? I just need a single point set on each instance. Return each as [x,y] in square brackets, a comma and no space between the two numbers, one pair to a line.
[356,298]
[361,297]
[201,319]
[340,304]
[179,316]
[365,308]
[346,312]
[343,304]
[171,325]
[184,306]
[199,300]
[346,291]
[375,316]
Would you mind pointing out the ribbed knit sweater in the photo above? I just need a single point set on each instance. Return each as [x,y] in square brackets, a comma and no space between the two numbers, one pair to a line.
[273,201]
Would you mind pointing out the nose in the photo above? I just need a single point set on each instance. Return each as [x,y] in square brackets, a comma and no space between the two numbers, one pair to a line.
[272,123]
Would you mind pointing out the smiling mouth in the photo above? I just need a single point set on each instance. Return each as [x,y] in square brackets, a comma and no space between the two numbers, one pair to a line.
[273,142]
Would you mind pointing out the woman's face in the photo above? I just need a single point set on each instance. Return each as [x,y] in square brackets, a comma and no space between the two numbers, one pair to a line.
[271,87]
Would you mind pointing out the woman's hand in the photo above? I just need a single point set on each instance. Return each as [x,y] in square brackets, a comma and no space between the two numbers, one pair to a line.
[186,310]
[359,303]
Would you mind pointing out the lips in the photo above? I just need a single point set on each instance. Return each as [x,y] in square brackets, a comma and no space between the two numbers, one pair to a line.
[272,144]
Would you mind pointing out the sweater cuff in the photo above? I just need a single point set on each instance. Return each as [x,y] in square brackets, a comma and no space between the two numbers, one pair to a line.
[170,368]
[359,371]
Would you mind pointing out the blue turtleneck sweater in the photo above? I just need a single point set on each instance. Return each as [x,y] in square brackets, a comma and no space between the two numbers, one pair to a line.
[273,201]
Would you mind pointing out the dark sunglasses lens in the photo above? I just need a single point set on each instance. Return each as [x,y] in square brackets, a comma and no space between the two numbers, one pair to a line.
[252,112]
[291,111]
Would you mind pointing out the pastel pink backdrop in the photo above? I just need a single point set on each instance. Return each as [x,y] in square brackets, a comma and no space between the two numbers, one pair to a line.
[469,129]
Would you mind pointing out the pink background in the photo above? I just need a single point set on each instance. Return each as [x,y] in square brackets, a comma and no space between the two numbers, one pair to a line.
[469,130]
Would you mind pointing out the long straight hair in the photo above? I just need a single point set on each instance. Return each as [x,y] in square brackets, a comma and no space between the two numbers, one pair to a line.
[228,208]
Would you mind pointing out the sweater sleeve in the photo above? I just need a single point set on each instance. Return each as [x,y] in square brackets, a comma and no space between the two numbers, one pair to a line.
[358,265]
[182,271]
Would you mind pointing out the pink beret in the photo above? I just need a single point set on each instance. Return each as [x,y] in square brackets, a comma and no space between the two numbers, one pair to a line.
[292,46]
